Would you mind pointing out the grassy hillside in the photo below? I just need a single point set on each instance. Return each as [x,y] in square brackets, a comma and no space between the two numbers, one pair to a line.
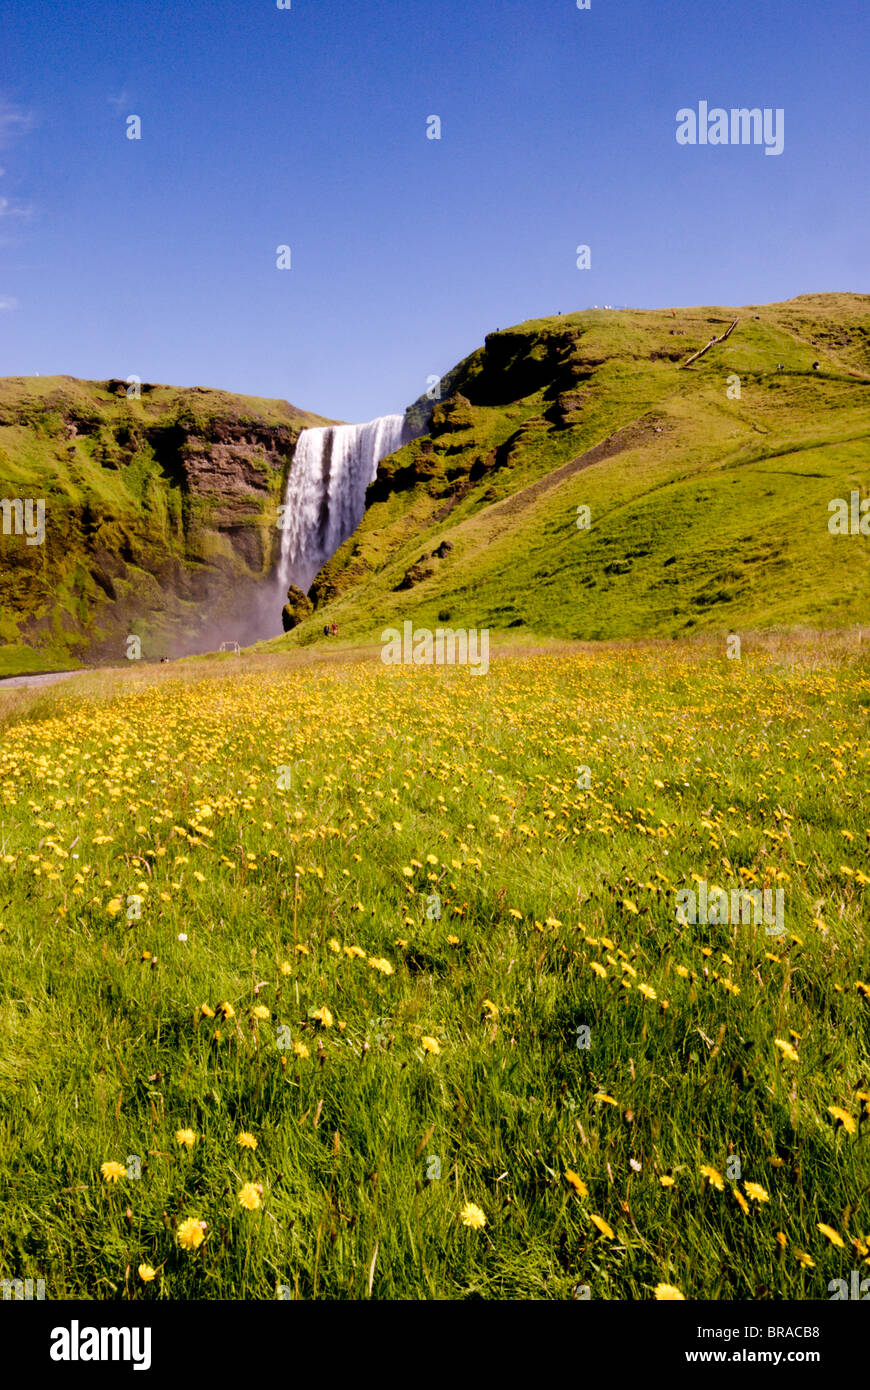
[707,511]
[156,509]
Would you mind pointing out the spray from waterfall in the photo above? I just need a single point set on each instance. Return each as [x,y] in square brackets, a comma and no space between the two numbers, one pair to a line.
[326,491]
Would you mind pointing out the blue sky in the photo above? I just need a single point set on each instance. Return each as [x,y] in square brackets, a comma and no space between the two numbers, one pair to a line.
[307,127]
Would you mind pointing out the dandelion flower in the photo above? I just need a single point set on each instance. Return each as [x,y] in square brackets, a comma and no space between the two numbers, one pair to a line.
[300,1049]
[453,941]
[756,1192]
[323,1016]
[576,1182]
[226,1010]
[260,1011]
[146,1273]
[250,1196]
[286,968]
[185,1138]
[206,1011]
[666,1293]
[666,1180]
[190,1234]
[648,993]
[472,1216]
[602,1225]
[833,1236]
[112,1171]
[599,969]
[431,1045]
[804,1259]
[714,1178]
[378,963]
[246,1140]
[843,1118]
[786,1049]
[741,1201]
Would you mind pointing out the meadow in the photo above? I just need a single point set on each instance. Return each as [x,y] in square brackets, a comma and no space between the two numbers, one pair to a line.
[323,979]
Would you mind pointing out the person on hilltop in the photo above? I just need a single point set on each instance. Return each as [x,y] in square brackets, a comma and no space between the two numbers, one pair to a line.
[334,630]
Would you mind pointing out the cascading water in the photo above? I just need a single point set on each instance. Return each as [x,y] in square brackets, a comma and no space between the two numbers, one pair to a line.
[326,491]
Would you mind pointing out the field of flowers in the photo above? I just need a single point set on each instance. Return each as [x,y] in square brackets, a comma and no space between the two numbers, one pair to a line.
[342,981]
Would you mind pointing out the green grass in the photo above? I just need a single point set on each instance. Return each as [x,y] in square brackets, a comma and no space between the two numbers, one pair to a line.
[400,784]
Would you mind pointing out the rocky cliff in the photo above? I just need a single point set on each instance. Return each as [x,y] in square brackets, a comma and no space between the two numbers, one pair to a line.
[161,513]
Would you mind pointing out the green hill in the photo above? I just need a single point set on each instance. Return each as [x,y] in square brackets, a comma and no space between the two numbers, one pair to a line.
[708,510]
[156,509]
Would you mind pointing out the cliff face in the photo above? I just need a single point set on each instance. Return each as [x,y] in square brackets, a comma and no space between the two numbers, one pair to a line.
[160,518]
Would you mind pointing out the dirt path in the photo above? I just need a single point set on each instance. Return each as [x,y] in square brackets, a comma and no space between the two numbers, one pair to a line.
[44,678]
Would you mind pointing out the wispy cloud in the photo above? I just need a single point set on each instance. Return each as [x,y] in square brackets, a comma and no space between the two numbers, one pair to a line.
[10,207]
[14,121]
[6,302]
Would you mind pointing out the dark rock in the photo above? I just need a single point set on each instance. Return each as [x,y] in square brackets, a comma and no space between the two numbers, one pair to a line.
[296,609]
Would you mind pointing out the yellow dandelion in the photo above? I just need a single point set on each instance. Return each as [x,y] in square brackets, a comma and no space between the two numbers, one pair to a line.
[250,1196]
[246,1140]
[286,968]
[647,992]
[804,1259]
[322,1016]
[602,1225]
[599,969]
[190,1234]
[112,1171]
[756,1192]
[146,1273]
[576,1182]
[843,1118]
[452,941]
[206,1011]
[430,1045]
[472,1216]
[334,945]
[260,1011]
[666,1180]
[741,1201]
[786,1049]
[492,1009]
[378,963]
[185,1138]
[667,1293]
[605,1099]
[300,1049]
[833,1236]
[713,1177]
[226,1010]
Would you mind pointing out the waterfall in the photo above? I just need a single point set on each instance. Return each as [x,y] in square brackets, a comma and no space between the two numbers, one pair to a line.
[326,491]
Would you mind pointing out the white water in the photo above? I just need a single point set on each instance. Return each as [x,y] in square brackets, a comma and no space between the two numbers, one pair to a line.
[326,491]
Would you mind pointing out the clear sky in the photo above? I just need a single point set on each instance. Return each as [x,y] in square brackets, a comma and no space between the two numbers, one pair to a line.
[307,127]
